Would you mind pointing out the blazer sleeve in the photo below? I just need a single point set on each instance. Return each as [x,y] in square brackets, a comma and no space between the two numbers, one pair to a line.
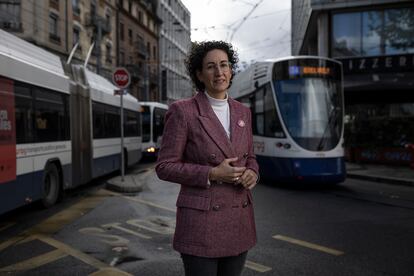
[170,165]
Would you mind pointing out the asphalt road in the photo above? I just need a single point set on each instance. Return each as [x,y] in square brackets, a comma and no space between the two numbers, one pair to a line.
[355,228]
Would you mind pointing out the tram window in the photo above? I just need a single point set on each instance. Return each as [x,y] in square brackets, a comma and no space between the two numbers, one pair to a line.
[98,120]
[259,112]
[23,113]
[159,115]
[49,117]
[272,125]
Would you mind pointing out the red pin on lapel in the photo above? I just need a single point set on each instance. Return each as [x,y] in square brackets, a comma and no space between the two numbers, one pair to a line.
[241,123]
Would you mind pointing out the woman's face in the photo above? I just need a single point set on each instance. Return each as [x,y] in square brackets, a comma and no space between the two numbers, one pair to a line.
[216,73]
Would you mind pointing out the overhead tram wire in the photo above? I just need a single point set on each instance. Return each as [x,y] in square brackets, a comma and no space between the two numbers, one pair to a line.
[244,19]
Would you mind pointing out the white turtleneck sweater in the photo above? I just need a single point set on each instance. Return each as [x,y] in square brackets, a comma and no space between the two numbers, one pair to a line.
[222,111]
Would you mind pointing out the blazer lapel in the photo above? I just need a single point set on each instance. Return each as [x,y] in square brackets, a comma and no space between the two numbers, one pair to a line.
[212,125]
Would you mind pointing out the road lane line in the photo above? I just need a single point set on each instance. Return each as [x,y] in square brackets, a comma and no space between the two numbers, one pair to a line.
[257,267]
[309,245]
[110,272]
[35,262]
[150,203]
[116,225]
[7,225]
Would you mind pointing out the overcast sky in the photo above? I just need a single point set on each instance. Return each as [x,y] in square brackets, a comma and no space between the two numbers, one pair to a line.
[264,34]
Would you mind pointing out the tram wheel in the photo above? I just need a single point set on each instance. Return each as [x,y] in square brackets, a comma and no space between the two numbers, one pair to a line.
[51,186]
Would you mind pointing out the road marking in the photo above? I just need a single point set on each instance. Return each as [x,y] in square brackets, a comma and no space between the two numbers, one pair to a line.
[116,225]
[309,245]
[151,204]
[110,272]
[249,264]
[6,225]
[257,267]
[35,262]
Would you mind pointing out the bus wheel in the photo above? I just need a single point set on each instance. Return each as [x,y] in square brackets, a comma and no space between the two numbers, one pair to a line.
[51,186]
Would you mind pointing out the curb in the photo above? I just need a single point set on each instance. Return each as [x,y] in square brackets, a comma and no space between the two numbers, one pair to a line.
[382,179]
[129,185]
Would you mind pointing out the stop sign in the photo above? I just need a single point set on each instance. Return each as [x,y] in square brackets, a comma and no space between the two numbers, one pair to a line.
[121,78]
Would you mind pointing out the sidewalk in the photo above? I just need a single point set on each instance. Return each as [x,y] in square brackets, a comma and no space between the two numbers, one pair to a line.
[381,173]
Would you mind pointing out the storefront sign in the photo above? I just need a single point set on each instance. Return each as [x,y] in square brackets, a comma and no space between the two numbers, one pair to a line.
[7,132]
[380,64]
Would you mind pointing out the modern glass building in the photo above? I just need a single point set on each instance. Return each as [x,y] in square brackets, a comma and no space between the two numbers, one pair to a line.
[374,40]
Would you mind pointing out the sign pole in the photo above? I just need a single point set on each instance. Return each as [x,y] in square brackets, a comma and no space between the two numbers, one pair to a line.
[122,136]
[121,79]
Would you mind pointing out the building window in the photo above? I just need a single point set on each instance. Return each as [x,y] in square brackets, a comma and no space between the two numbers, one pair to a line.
[108,53]
[75,7]
[140,17]
[373,33]
[76,35]
[130,36]
[10,15]
[121,31]
[121,58]
[54,27]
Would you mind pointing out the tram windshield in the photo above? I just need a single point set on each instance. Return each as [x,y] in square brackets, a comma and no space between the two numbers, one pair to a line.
[311,109]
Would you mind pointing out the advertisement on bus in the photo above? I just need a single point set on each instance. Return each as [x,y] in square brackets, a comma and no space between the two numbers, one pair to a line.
[7,132]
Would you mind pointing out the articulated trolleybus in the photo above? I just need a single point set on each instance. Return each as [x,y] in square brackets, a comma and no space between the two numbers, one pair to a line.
[297,116]
[153,114]
[59,127]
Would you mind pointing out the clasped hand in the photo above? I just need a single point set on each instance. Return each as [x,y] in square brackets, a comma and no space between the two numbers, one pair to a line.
[238,175]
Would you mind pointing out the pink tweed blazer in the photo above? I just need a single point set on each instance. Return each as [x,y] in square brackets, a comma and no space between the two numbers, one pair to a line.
[215,220]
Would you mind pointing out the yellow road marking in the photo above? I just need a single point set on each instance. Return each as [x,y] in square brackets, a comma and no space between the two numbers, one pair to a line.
[309,245]
[74,252]
[257,267]
[35,262]
[58,221]
[7,225]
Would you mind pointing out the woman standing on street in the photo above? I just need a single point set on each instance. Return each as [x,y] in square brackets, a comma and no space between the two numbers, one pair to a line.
[208,149]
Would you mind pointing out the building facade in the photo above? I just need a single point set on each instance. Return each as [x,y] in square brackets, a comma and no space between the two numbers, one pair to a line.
[374,40]
[175,41]
[138,46]
[59,25]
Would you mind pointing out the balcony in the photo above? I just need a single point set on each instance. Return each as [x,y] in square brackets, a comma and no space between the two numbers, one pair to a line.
[11,26]
[94,20]
[141,49]
[135,71]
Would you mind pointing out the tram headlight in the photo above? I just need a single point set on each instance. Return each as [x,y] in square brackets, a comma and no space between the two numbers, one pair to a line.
[287,146]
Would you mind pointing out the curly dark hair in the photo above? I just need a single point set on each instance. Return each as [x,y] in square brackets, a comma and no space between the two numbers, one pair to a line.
[198,51]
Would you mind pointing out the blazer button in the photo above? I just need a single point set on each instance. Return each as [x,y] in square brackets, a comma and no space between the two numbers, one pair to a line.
[245,204]
[212,156]
[216,207]
[245,155]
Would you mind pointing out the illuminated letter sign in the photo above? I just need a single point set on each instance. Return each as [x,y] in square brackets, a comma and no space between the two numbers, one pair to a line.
[7,132]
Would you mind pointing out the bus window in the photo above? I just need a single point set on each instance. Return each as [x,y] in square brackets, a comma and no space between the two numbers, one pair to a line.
[23,113]
[50,122]
[98,121]
[146,124]
[159,115]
